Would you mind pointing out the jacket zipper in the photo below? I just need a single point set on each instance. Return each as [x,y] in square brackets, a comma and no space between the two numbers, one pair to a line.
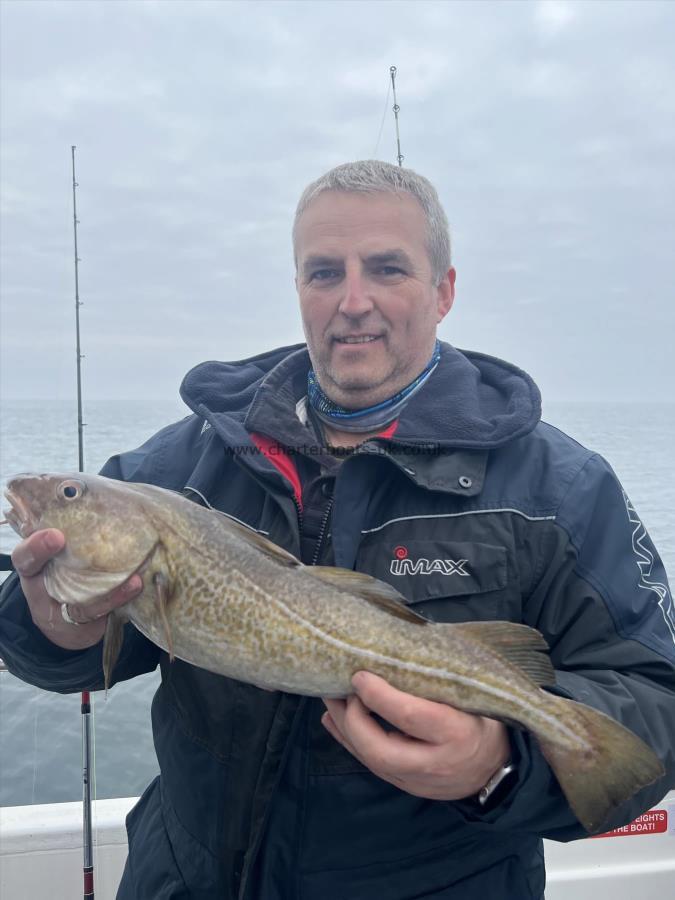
[298,509]
[322,531]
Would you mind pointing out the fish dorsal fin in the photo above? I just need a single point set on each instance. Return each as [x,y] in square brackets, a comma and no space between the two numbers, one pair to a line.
[368,588]
[519,644]
[269,548]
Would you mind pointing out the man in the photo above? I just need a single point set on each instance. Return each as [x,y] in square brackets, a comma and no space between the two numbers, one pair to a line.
[379,449]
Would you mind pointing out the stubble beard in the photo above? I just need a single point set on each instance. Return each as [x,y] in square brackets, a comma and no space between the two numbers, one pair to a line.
[357,391]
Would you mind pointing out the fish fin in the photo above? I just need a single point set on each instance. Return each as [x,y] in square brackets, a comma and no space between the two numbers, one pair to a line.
[112,644]
[519,644]
[368,588]
[614,764]
[162,598]
[269,548]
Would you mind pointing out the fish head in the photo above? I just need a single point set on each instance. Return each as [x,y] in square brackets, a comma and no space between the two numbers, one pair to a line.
[108,533]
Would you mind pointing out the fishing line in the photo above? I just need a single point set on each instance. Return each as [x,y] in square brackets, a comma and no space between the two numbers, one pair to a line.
[36,704]
[384,116]
[93,776]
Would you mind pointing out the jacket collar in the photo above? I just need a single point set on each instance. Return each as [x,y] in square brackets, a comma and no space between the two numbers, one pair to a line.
[471,404]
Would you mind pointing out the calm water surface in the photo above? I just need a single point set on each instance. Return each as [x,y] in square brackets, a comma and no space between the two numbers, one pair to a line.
[40,735]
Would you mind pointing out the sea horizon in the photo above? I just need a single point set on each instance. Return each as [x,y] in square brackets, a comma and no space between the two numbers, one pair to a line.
[39,727]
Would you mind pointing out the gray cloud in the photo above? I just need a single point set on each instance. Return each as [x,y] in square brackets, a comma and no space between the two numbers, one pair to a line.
[548,129]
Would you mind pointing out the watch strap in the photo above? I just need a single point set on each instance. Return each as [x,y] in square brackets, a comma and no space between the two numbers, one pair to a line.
[494,781]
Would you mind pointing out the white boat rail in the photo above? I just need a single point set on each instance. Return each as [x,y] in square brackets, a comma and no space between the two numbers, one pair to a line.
[41,855]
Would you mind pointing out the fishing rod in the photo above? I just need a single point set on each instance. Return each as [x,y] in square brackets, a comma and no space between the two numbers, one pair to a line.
[85,705]
[78,304]
[396,108]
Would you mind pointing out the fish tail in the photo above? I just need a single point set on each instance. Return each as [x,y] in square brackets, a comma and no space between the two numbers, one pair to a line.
[607,766]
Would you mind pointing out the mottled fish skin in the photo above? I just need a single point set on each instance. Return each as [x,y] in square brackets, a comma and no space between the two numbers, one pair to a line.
[221,597]
[284,629]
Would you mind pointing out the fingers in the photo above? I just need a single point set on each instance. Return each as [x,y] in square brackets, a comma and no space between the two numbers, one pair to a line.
[32,554]
[440,769]
[388,754]
[29,558]
[96,609]
[90,617]
[435,723]
[46,614]
[330,719]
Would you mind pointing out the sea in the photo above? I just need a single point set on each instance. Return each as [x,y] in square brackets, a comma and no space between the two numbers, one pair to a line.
[40,731]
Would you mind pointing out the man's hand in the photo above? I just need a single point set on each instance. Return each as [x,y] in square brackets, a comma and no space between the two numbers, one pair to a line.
[29,558]
[443,754]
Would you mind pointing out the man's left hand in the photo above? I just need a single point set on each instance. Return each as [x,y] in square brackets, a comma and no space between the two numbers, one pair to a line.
[439,752]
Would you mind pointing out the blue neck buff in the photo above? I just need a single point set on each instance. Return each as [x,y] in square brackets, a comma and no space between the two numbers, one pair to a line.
[372,417]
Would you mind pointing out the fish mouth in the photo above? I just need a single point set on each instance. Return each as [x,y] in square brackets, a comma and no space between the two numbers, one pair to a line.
[19,515]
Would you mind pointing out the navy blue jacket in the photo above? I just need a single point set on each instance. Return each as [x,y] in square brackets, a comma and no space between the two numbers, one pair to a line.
[255,801]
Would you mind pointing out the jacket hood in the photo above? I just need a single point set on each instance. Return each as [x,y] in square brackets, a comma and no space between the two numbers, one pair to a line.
[471,400]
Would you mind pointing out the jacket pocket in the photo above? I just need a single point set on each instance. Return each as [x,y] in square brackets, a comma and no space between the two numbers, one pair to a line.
[203,704]
[451,581]
[151,871]
[435,875]
[505,880]
[201,871]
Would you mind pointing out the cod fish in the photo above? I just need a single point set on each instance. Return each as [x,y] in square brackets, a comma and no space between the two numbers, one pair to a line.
[220,596]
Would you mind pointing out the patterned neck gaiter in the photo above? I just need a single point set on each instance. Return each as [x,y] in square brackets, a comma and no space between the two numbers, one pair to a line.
[372,417]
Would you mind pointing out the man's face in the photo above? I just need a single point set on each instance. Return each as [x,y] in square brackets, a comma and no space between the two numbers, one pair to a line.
[368,302]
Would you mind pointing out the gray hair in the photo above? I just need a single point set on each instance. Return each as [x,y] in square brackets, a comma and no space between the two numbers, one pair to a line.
[373,175]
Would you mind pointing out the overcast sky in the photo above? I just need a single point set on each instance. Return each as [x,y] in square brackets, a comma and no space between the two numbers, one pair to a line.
[547,127]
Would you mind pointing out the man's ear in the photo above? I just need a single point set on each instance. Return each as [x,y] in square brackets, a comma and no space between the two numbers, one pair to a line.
[446,294]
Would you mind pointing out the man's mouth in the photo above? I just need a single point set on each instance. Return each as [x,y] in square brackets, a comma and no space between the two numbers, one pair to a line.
[357,338]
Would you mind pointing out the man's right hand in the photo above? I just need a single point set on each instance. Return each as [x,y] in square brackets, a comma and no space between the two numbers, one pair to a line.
[29,558]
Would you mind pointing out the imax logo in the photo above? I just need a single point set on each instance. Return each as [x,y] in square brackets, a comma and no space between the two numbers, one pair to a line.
[428,566]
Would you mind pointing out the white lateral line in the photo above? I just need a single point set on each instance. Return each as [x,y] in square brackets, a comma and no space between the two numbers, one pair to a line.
[469,512]
[552,720]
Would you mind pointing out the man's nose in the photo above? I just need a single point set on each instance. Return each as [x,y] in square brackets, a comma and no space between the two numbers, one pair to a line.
[356,299]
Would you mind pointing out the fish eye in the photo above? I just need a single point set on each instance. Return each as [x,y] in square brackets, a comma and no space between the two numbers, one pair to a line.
[70,490]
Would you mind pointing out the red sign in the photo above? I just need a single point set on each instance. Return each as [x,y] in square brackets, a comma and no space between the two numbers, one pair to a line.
[653,822]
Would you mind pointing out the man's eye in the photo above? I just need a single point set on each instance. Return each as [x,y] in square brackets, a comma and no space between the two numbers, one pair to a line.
[324,275]
[390,270]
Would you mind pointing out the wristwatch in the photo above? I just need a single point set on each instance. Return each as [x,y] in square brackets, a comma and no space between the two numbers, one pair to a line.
[498,785]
